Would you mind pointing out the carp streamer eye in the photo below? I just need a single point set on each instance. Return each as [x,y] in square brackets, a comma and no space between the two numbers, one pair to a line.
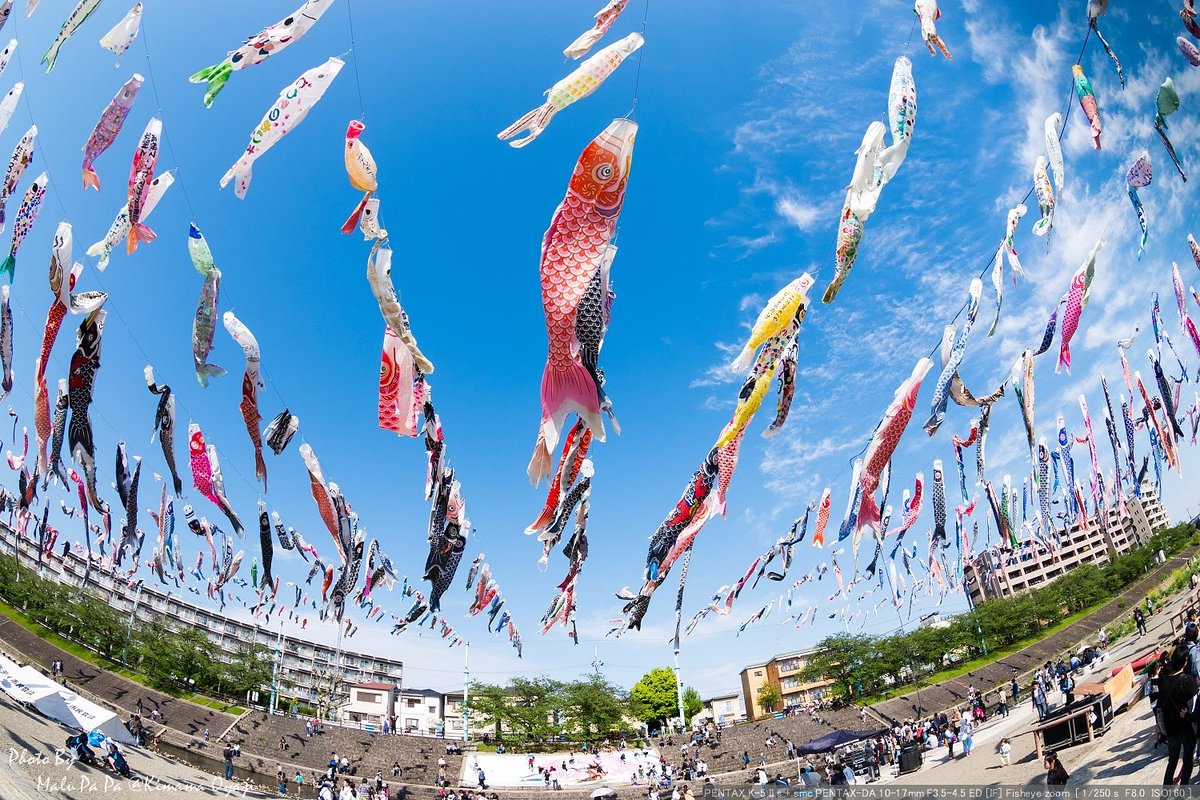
[603,172]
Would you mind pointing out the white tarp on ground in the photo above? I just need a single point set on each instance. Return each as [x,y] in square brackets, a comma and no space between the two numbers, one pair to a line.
[90,717]
[576,770]
[27,685]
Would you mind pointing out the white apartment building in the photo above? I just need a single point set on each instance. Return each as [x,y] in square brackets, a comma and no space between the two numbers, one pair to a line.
[304,661]
[1004,575]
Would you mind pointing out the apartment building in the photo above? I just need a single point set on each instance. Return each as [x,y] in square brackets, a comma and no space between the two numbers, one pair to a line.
[371,704]
[724,709]
[783,672]
[1096,541]
[306,664]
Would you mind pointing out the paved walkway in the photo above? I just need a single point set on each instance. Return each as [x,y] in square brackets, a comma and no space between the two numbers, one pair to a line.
[33,768]
[1124,755]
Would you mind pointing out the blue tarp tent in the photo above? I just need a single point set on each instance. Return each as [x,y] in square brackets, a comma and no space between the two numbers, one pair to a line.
[836,739]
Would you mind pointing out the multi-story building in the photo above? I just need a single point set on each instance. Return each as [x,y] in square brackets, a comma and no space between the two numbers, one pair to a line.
[993,574]
[305,668]
[724,709]
[782,672]
[371,704]
[420,711]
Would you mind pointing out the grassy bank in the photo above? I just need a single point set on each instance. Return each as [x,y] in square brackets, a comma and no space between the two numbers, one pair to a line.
[84,654]
[958,670]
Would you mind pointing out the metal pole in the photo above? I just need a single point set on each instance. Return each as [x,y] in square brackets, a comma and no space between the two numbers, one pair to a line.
[275,671]
[679,694]
[466,710]
[129,629]
[971,605]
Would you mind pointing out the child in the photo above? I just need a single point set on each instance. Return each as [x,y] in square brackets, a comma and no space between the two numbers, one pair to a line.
[1005,749]
[1056,775]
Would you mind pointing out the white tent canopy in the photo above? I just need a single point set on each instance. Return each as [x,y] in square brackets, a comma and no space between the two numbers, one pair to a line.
[90,717]
[27,685]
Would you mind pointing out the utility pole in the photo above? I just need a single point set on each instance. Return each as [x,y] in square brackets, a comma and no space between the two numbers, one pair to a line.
[466,710]
[596,662]
[679,694]
[278,666]
[132,614]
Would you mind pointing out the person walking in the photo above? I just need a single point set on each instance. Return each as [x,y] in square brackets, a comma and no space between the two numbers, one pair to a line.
[1176,700]
[1039,700]
[1139,619]
[1002,703]
[1005,750]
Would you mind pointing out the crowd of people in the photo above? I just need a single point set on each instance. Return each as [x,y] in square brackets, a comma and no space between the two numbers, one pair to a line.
[1172,687]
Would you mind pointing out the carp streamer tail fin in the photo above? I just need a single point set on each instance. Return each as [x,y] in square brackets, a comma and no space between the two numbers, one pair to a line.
[564,392]
[535,122]
[215,78]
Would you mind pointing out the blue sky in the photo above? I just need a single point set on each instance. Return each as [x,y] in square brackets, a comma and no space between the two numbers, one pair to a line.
[749,117]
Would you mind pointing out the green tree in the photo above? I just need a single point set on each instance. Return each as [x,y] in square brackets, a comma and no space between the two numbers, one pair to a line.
[768,697]
[489,703]
[844,659]
[171,657]
[106,630]
[592,707]
[250,669]
[654,699]
[532,707]
[692,704]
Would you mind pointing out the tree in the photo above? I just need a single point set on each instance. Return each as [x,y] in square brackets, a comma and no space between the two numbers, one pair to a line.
[250,669]
[592,707]
[327,686]
[654,699]
[490,702]
[692,704]
[532,706]
[843,659]
[768,697]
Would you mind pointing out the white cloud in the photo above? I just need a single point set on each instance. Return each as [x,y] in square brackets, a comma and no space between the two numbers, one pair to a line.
[804,216]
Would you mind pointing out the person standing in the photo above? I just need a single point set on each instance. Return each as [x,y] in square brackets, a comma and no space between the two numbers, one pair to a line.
[228,753]
[1154,693]
[1039,700]
[1002,704]
[1139,619]
[1005,750]
[1067,685]
[1176,698]
[1056,774]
